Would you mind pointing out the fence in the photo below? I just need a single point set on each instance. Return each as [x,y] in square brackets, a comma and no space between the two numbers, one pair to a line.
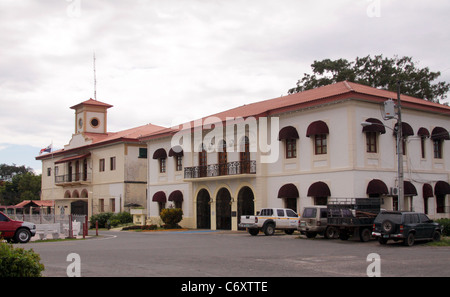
[66,222]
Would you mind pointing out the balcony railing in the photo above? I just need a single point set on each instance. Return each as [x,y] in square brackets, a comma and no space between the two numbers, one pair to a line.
[230,168]
[73,178]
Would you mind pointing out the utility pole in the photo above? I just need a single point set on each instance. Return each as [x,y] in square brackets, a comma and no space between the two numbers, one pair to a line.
[401,195]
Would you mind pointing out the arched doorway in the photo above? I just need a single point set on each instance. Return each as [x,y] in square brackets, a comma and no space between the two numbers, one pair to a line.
[79,207]
[246,205]
[203,210]
[223,209]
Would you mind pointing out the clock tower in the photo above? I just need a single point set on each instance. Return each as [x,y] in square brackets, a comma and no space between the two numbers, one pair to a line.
[91,117]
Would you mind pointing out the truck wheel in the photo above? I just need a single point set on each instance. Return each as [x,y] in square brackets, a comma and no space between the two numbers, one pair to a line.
[253,231]
[22,236]
[436,236]
[330,233]
[365,235]
[409,240]
[269,229]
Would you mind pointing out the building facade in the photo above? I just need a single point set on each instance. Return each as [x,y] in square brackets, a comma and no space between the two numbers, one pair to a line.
[98,171]
[300,150]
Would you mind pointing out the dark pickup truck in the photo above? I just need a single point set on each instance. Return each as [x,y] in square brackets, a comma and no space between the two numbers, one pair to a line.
[405,226]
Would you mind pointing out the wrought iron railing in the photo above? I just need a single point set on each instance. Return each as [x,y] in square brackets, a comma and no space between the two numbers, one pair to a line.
[72,178]
[230,168]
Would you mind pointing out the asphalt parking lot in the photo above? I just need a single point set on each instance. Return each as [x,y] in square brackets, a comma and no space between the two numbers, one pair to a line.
[234,254]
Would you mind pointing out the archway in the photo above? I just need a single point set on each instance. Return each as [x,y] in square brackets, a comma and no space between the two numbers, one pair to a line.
[246,205]
[223,210]
[203,210]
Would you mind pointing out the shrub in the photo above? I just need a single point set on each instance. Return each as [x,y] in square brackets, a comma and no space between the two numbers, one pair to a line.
[18,262]
[446,226]
[171,217]
[109,219]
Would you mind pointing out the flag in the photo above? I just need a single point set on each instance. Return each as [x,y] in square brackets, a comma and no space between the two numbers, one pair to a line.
[48,149]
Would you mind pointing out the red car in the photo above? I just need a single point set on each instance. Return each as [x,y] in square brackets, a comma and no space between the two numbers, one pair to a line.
[16,231]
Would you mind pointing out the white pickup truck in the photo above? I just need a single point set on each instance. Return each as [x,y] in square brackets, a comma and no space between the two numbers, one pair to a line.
[270,219]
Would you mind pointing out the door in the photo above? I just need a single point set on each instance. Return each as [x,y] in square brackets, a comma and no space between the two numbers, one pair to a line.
[223,209]
[246,205]
[203,210]
[202,162]
[223,159]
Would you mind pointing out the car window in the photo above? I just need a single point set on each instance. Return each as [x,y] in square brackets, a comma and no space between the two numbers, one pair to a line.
[424,218]
[267,212]
[309,213]
[280,212]
[291,213]
[323,213]
[395,218]
[3,218]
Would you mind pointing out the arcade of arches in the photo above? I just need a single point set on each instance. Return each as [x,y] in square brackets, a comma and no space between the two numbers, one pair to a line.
[223,207]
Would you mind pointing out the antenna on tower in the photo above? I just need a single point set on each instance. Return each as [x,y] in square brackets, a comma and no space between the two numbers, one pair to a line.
[95,82]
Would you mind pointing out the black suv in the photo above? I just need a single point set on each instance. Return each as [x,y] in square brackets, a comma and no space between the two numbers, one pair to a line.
[406,226]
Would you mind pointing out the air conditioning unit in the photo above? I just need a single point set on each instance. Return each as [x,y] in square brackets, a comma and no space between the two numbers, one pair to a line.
[394,191]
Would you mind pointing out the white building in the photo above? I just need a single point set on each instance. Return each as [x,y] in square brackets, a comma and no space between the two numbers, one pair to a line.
[300,150]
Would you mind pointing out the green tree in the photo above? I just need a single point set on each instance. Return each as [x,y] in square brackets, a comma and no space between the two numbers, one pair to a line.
[20,184]
[377,72]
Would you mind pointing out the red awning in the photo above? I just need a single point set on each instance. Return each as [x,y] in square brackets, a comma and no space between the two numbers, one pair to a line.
[317,128]
[377,187]
[159,197]
[439,133]
[441,188]
[319,189]
[176,151]
[407,130]
[377,126]
[427,190]
[288,132]
[72,158]
[409,189]
[176,196]
[160,154]
[288,191]
[423,132]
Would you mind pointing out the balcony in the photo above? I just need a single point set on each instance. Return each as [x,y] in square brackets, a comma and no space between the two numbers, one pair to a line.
[73,179]
[225,169]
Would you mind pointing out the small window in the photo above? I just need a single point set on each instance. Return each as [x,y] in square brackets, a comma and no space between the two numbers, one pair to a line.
[371,142]
[437,148]
[143,153]
[162,165]
[280,212]
[49,171]
[320,144]
[179,163]
[291,148]
[101,165]
[112,163]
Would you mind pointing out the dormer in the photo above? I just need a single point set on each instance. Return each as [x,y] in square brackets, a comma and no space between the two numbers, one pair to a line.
[91,117]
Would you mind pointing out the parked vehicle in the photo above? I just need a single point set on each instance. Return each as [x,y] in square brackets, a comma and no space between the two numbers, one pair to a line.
[353,216]
[270,219]
[314,221]
[406,226]
[16,231]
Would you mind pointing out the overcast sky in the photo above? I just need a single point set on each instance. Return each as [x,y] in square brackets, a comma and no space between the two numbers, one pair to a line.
[168,61]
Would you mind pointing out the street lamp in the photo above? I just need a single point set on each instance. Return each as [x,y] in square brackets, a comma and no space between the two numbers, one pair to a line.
[399,148]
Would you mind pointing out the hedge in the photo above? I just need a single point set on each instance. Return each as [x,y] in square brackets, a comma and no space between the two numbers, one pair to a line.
[109,219]
[446,226]
[18,262]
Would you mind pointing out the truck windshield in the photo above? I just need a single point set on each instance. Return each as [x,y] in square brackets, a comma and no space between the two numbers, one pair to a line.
[309,212]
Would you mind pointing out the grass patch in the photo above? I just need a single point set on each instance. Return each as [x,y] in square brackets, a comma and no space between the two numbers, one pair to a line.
[445,241]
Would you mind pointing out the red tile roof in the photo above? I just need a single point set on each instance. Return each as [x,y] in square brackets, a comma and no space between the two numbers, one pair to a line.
[92,102]
[313,97]
[129,135]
